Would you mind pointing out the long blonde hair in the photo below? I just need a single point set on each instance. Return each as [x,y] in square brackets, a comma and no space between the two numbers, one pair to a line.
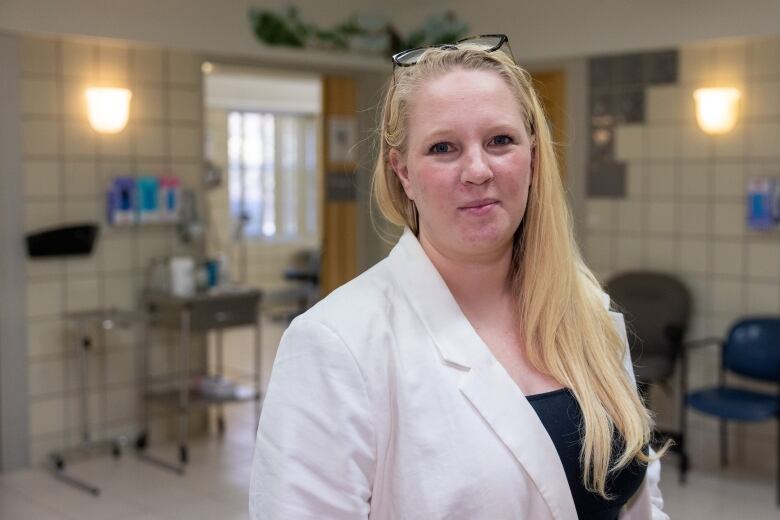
[568,333]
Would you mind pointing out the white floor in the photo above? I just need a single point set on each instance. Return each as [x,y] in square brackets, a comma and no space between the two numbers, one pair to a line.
[215,487]
[730,494]
[215,484]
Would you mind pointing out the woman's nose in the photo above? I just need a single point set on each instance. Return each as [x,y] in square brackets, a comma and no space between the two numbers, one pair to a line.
[475,168]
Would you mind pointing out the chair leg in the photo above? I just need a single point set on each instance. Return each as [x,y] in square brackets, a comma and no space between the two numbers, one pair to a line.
[683,404]
[683,437]
[724,443]
[683,462]
[778,461]
[683,452]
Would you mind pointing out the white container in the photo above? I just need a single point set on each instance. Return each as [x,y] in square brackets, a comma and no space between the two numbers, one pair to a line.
[182,276]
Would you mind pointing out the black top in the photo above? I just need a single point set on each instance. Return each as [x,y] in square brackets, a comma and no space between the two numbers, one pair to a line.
[561,416]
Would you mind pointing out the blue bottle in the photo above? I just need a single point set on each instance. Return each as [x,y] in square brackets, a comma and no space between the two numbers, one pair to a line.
[148,195]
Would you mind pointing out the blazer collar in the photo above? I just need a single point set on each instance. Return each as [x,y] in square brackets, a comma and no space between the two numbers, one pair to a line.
[485,383]
[428,294]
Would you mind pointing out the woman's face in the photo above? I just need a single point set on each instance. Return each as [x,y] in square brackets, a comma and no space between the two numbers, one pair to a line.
[468,163]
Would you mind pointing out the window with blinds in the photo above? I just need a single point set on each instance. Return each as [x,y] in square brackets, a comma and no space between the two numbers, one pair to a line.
[272,168]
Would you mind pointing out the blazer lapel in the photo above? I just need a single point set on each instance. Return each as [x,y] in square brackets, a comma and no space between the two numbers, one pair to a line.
[484,383]
[504,407]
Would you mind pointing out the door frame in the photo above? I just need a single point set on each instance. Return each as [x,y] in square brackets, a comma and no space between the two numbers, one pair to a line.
[14,401]
[575,124]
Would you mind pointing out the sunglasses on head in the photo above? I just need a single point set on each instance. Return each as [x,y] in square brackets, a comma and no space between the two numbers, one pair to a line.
[484,42]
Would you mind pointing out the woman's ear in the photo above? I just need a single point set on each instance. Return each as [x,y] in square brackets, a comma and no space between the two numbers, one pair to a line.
[398,164]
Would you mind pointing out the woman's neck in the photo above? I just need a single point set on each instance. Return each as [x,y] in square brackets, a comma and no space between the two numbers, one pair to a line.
[479,283]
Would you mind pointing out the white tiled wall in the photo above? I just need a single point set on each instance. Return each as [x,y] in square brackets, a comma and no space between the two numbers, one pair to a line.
[66,169]
[684,213]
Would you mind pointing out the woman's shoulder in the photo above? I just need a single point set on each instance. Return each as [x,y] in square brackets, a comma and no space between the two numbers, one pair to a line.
[357,306]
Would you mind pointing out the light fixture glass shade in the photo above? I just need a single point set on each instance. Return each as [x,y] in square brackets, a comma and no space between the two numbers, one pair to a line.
[717,109]
[108,108]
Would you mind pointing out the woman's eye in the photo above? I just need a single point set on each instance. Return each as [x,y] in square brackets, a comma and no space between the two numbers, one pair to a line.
[501,140]
[440,148]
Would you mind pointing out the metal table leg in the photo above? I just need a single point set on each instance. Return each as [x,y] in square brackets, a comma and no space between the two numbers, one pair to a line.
[258,367]
[142,442]
[221,372]
[184,385]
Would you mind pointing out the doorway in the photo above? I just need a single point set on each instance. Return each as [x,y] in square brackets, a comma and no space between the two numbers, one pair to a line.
[262,145]
[263,200]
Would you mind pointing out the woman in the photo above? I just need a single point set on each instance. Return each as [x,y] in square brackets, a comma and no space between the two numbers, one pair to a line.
[475,373]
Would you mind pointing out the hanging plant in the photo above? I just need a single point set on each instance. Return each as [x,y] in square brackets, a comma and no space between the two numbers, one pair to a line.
[279,29]
[367,33]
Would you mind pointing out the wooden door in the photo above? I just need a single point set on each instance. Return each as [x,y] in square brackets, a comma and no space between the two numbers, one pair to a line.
[339,219]
[550,86]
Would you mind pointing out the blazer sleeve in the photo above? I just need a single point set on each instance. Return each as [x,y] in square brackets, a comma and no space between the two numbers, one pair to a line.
[315,453]
[649,496]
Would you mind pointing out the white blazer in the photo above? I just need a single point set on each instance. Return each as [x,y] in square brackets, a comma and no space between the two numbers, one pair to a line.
[384,403]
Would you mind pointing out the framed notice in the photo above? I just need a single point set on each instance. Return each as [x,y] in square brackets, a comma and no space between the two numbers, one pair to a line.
[342,138]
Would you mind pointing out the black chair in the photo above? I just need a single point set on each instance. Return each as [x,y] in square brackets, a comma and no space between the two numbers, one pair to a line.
[286,304]
[656,307]
[752,350]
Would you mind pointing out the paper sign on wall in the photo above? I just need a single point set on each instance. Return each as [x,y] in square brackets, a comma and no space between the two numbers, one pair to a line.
[342,138]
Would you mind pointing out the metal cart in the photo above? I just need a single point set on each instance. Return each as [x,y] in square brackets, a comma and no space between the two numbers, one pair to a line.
[89,329]
[198,313]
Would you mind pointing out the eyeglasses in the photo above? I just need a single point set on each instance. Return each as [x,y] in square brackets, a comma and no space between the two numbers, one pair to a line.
[484,42]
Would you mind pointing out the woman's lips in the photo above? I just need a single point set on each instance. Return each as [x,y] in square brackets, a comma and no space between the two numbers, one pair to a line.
[479,207]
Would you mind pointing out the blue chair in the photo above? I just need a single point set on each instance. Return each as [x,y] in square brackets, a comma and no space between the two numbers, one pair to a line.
[752,349]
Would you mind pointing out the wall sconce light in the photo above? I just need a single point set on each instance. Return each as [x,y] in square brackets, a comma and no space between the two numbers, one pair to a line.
[717,109]
[108,109]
